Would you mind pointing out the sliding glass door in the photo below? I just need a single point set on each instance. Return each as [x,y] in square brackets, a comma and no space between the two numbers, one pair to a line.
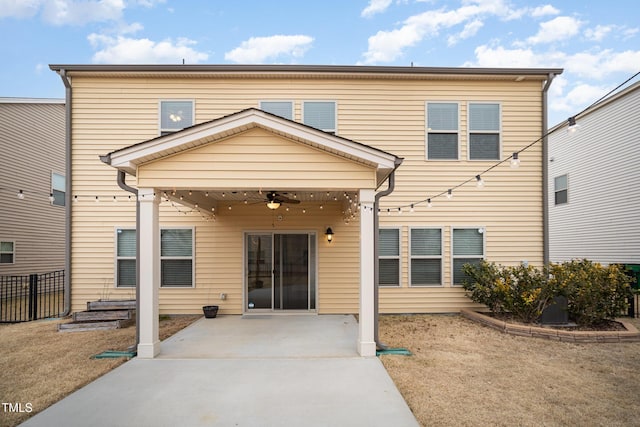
[280,271]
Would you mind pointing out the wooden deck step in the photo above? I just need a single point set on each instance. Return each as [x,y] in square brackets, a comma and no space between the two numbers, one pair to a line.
[93,326]
[111,305]
[103,315]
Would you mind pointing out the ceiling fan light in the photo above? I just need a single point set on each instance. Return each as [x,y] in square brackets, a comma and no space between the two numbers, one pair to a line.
[272,204]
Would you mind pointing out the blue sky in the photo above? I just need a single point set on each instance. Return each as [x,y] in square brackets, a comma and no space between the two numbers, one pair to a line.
[596,42]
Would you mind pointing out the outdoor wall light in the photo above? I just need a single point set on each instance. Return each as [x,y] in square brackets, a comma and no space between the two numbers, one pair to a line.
[329,234]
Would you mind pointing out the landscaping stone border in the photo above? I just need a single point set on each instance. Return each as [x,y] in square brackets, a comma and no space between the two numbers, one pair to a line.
[630,335]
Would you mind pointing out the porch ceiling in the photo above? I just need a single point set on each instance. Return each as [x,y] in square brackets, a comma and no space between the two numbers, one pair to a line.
[216,202]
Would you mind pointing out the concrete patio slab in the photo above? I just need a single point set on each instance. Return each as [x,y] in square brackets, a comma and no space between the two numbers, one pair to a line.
[252,371]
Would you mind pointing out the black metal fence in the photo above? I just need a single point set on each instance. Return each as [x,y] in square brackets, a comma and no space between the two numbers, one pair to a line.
[31,297]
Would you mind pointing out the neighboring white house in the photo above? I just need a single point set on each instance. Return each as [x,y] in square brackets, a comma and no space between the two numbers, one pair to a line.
[594,173]
[32,187]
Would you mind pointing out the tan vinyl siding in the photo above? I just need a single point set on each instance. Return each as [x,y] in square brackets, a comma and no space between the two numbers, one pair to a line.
[111,113]
[32,146]
[255,159]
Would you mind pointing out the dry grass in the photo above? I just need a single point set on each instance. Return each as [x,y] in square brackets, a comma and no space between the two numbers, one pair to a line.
[41,365]
[464,374]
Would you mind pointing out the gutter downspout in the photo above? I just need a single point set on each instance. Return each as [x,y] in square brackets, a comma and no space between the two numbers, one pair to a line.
[545,172]
[68,199]
[122,184]
[376,243]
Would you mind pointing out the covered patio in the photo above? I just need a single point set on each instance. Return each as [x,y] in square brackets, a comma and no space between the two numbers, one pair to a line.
[242,171]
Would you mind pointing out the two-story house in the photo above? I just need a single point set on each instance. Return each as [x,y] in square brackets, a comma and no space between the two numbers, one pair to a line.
[259,187]
[32,188]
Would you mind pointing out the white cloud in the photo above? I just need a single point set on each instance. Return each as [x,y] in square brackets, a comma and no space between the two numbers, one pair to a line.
[124,50]
[19,9]
[387,46]
[375,6]
[601,64]
[599,32]
[545,10]
[469,30]
[260,49]
[558,29]
[497,57]
[71,12]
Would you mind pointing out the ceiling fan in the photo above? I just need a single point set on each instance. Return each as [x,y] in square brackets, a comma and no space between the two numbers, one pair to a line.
[275,199]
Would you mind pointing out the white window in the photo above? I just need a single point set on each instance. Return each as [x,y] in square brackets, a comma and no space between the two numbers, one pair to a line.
[125,258]
[279,108]
[176,257]
[425,264]
[320,115]
[468,248]
[175,115]
[442,131]
[7,252]
[389,256]
[484,131]
[58,189]
[561,189]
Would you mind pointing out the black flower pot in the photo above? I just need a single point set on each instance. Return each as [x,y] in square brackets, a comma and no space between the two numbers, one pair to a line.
[210,311]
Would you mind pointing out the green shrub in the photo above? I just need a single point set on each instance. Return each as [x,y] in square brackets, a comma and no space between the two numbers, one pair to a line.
[483,285]
[521,290]
[594,293]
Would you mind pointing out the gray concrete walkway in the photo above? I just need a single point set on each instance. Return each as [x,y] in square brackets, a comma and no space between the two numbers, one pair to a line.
[290,370]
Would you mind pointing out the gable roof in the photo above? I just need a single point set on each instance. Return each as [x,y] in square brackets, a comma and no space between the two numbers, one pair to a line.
[129,158]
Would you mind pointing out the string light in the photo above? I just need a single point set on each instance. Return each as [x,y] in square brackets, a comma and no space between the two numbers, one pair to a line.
[573,126]
[515,161]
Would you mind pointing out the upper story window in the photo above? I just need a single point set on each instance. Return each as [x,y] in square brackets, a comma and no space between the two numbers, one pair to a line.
[175,115]
[389,256]
[561,189]
[442,131]
[58,189]
[426,256]
[7,252]
[320,115]
[484,131]
[279,108]
[468,248]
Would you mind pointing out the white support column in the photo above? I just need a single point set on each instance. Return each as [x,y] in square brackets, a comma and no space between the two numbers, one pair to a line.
[149,345]
[366,340]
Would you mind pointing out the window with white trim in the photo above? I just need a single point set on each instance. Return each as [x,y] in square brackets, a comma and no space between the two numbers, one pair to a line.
[320,115]
[176,257]
[484,131]
[7,252]
[425,263]
[175,115]
[389,256]
[125,258]
[279,108]
[467,248]
[442,131]
[561,189]
[58,189]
